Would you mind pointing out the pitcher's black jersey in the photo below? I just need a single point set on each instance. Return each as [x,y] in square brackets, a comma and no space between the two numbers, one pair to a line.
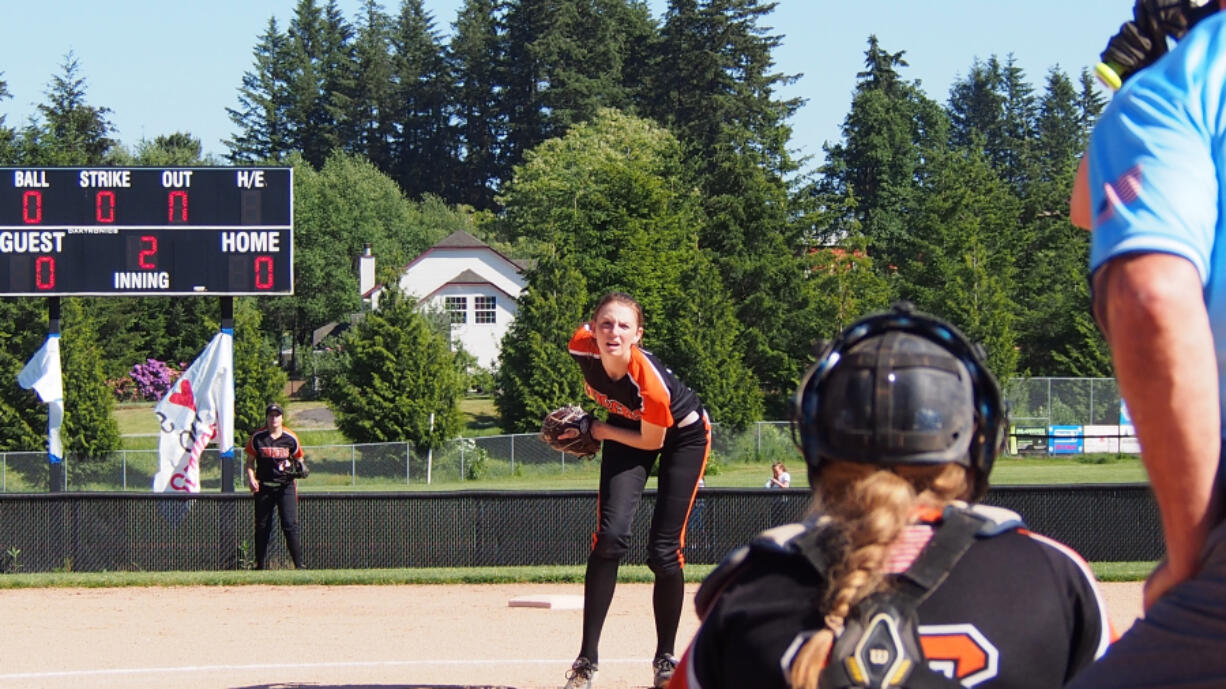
[648,392]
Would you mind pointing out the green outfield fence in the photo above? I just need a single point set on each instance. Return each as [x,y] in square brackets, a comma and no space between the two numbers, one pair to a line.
[117,531]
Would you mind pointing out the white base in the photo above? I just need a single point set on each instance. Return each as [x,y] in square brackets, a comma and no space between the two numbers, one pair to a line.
[551,601]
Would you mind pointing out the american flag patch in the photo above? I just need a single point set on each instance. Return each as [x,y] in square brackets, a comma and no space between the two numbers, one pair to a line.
[903,551]
[1123,191]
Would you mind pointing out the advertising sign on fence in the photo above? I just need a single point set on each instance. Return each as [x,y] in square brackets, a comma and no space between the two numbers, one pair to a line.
[1029,440]
[1102,439]
[1065,440]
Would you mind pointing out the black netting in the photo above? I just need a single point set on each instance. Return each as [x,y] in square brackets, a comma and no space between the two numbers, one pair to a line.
[132,532]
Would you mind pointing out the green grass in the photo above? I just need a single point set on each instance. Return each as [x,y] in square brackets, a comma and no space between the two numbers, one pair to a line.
[571,574]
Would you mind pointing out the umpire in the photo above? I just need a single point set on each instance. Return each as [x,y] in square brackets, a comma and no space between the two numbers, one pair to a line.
[272,453]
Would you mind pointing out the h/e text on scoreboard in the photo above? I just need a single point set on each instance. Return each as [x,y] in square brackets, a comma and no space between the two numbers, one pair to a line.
[220,231]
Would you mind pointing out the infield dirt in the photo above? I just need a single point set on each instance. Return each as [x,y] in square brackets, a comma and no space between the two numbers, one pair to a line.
[351,637]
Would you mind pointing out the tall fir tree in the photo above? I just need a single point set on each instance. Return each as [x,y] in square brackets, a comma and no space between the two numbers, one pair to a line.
[90,432]
[262,118]
[69,131]
[372,109]
[423,145]
[535,373]
[477,66]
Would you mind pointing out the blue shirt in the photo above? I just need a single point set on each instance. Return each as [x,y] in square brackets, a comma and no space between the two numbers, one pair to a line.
[1157,160]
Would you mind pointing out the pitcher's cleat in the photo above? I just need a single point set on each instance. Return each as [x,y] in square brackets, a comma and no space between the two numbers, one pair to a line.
[662,669]
[581,674]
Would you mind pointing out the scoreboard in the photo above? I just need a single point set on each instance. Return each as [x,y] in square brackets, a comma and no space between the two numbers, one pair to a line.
[221,231]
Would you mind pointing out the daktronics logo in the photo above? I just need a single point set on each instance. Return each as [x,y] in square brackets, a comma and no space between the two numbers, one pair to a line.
[959,651]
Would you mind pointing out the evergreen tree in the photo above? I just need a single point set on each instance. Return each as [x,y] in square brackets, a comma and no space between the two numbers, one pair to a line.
[90,431]
[373,104]
[535,373]
[257,378]
[319,55]
[961,268]
[8,136]
[263,118]
[477,67]
[611,197]
[716,88]
[69,130]
[23,418]
[889,130]
[398,373]
[423,145]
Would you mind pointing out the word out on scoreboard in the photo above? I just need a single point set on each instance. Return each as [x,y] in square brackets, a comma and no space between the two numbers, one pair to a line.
[146,231]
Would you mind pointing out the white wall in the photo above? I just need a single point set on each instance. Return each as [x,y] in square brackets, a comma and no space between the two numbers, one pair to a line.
[482,340]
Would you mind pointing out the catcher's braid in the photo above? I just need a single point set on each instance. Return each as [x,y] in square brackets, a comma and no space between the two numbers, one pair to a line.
[569,429]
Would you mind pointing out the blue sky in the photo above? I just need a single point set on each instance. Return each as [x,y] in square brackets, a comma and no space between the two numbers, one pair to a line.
[164,66]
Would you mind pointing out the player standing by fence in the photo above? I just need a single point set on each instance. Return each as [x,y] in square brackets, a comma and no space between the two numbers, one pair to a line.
[272,453]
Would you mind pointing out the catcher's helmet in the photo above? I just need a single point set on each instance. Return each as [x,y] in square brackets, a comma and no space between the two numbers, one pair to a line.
[901,387]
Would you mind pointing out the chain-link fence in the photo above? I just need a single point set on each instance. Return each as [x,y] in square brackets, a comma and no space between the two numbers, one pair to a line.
[143,532]
[377,466]
[1041,409]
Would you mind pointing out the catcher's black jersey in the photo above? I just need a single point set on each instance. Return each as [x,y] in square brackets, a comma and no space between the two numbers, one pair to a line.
[1018,610]
[648,392]
[273,455]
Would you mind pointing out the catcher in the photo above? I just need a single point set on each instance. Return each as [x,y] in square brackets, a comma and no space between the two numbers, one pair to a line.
[651,414]
[895,580]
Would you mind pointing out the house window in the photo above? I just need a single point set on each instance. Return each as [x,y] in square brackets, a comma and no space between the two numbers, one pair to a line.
[483,309]
[457,308]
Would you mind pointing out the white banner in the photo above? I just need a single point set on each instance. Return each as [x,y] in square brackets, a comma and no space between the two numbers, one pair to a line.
[42,373]
[198,408]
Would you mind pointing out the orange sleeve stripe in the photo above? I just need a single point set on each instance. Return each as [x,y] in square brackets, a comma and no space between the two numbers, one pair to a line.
[657,401]
[583,342]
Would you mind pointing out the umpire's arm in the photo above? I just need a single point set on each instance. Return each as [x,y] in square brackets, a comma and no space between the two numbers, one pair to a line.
[1152,310]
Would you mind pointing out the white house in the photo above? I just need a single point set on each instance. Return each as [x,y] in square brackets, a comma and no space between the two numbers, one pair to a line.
[465,278]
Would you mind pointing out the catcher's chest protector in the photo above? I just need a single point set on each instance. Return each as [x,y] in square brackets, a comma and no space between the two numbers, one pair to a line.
[879,647]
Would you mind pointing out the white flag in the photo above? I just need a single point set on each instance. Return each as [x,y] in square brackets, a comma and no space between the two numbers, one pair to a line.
[198,408]
[42,373]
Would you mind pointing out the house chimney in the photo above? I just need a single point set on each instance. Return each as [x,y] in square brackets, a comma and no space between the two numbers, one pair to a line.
[366,271]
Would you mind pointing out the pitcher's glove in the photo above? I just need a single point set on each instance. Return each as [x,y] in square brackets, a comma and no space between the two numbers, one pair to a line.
[579,441]
[298,469]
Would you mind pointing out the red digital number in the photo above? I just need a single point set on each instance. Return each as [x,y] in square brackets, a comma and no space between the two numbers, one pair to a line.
[176,198]
[263,272]
[104,206]
[32,206]
[44,272]
[149,253]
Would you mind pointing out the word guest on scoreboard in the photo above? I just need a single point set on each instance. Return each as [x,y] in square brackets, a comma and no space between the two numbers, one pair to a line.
[146,231]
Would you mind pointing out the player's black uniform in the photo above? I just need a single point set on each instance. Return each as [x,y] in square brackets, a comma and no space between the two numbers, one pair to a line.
[273,458]
[648,392]
[1017,610]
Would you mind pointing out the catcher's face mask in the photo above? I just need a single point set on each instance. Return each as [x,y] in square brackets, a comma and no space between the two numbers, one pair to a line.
[901,388]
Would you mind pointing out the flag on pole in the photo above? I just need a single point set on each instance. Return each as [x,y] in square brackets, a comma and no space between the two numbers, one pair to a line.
[197,408]
[42,373]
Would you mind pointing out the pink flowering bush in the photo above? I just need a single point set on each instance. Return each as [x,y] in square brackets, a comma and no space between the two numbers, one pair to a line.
[152,378]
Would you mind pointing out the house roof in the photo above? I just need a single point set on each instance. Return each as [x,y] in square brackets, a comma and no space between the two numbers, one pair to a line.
[466,277]
[463,240]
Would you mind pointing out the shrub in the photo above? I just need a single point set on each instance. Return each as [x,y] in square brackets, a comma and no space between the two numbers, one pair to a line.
[153,379]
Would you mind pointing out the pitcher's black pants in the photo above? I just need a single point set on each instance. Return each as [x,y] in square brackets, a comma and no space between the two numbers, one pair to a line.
[623,474]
